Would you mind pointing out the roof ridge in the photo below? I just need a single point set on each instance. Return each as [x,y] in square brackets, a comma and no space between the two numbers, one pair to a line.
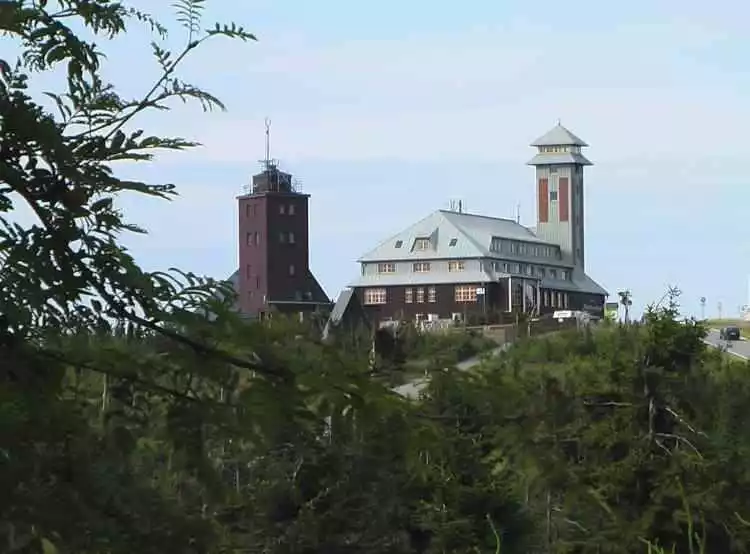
[494,218]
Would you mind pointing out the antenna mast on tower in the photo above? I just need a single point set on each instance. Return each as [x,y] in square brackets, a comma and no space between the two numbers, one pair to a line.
[268,143]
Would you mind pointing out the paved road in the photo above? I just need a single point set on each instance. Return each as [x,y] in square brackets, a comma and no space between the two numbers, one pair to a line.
[413,388]
[740,348]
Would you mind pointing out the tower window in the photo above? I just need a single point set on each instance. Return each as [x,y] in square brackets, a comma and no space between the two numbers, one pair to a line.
[282,209]
[291,237]
[282,237]
[453,242]
[291,209]
[291,269]
[399,243]
[553,195]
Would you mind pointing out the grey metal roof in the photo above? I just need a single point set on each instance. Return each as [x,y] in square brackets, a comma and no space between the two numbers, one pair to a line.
[342,303]
[472,233]
[558,136]
[559,158]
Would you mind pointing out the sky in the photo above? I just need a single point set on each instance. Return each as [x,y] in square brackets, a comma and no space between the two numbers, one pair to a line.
[386,111]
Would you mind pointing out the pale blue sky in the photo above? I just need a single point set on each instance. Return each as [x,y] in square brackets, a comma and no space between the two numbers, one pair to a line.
[387,110]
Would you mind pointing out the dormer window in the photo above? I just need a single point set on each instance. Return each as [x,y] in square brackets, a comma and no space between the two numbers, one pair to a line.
[453,242]
[399,243]
[421,244]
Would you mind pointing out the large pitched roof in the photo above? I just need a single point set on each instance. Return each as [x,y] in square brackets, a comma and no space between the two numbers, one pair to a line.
[452,235]
[558,136]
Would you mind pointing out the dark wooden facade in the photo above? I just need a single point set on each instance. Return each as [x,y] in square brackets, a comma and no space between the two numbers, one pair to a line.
[495,305]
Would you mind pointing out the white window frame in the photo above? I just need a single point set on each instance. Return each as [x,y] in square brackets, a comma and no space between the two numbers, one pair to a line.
[386,267]
[456,265]
[408,296]
[432,295]
[375,297]
[421,267]
[465,293]
[420,295]
[422,243]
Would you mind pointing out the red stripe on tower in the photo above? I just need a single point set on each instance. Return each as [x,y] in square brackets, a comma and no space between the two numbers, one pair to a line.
[564,199]
[543,201]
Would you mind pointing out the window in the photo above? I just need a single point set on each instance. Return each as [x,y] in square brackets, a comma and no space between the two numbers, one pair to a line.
[282,209]
[291,209]
[545,298]
[552,273]
[257,238]
[291,237]
[453,242]
[465,293]
[250,239]
[282,237]
[496,244]
[517,295]
[552,298]
[291,270]
[387,268]
[506,267]
[527,269]
[409,296]
[559,300]
[515,268]
[553,169]
[421,267]
[565,300]
[421,244]
[564,275]
[553,196]
[399,243]
[456,265]
[375,296]
[431,295]
[514,247]
[540,271]
[420,296]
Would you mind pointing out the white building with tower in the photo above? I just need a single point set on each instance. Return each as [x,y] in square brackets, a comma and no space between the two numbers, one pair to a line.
[455,265]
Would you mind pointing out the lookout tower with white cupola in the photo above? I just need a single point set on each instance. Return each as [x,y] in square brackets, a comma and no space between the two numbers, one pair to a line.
[559,167]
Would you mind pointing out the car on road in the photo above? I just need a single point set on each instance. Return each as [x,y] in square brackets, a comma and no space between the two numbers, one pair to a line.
[729,333]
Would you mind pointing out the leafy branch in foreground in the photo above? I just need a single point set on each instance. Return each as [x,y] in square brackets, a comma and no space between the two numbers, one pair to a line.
[61,166]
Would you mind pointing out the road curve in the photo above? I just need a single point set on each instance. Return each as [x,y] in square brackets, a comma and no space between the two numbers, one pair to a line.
[737,348]
[413,388]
